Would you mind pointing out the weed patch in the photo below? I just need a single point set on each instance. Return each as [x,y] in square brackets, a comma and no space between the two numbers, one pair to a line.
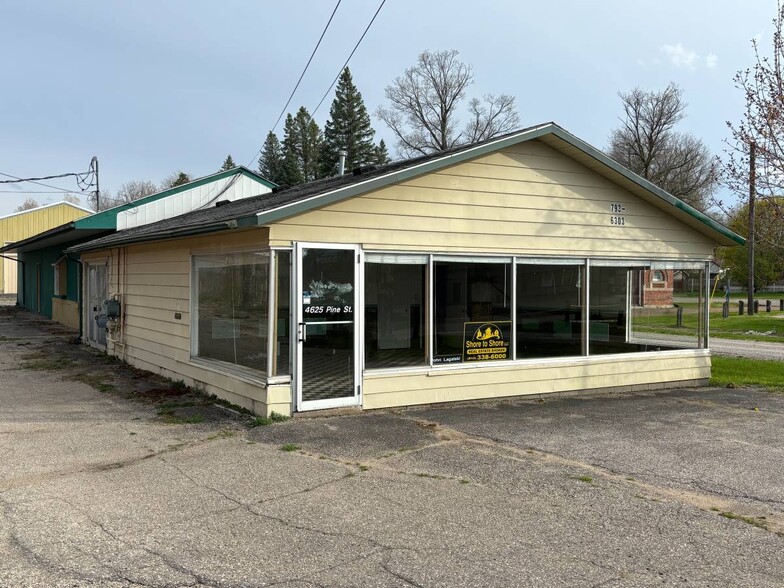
[169,417]
[97,381]
[586,479]
[755,522]
[290,447]
[224,434]
[50,364]
[274,417]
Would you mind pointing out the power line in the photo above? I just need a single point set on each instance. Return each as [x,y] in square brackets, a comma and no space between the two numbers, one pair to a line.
[302,75]
[40,192]
[18,180]
[332,85]
[41,183]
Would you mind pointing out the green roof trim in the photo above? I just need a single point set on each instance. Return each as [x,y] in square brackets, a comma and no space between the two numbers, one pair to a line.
[107,219]
[271,216]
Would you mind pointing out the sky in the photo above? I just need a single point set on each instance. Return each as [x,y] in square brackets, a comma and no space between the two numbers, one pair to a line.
[152,87]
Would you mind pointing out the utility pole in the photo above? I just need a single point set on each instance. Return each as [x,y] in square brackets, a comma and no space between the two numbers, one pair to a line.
[94,165]
[750,243]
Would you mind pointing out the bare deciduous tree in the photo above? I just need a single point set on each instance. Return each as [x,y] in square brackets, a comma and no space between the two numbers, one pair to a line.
[128,192]
[648,144]
[763,125]
[28,204]
[175,179]
[72,199]
[424,104]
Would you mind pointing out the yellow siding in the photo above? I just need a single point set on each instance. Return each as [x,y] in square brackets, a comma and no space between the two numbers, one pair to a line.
[28,224]
[386,390]
[65,312]
[527,200]
[153,281]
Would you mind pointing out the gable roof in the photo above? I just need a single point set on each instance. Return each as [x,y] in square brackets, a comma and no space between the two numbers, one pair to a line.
[107,219]
[100,223]
[269,208]
[43,206]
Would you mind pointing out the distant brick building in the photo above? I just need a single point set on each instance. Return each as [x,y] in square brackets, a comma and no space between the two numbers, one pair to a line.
[653,288]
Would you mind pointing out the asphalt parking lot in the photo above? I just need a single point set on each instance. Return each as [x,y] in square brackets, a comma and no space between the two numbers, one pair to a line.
[112,477]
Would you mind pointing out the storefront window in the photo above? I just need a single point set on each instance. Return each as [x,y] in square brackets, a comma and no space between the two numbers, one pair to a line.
[395,310]
[281,357]
[630,312]
[664,319]
[549,310]
[231,308]
[473,318]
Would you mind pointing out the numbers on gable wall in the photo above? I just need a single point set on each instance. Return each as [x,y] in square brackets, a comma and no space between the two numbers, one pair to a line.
[616,208]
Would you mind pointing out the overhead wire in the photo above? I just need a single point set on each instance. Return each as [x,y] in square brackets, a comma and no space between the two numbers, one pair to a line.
[302,75]
[332,85]
[307,65]
[41,183]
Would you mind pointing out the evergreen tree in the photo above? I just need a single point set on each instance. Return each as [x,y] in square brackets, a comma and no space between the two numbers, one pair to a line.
[302,142]
[228,164]
[183,178]
[381,155]
[175,179]
[289,173]
[348,129]
[271,160]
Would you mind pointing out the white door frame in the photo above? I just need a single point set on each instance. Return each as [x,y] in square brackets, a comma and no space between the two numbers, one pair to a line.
[298,326]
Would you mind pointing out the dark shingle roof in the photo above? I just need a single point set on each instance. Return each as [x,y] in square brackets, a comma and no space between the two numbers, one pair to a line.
[218,217]
[268,208]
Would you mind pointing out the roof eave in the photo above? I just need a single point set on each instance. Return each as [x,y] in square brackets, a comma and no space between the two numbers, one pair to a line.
[158,236]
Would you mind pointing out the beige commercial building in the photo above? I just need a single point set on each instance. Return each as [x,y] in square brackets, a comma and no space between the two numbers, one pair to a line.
[499,269]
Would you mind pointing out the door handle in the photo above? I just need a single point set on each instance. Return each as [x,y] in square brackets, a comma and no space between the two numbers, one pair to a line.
[303,332]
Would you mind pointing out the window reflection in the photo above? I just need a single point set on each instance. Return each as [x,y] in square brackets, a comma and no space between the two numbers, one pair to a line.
[549,310]
[472,312]
[395,314]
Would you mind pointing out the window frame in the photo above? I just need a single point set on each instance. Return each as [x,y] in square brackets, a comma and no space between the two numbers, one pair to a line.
[585,263]
[219,365]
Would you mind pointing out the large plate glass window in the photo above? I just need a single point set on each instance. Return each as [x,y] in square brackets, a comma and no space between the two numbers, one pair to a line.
[395,310]
[549,308]
[473,310]
[636,308]
[231,308]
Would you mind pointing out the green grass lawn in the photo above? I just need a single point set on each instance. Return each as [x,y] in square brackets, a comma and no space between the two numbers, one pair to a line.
[740,371]
[734,327]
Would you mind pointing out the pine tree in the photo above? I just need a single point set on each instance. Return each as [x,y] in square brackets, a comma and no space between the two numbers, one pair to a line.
[348,129]
[228,164]
[381,155]
[302,142]
[289,173]
[182,178]
[271,160]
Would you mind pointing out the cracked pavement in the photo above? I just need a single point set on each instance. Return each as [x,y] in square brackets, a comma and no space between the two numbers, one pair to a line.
[97,490]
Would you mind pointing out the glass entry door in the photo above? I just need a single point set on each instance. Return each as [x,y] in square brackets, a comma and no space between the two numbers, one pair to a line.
[327,373]
[96,295]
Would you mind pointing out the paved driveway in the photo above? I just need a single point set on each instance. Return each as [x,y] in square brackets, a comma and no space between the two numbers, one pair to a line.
[109,477]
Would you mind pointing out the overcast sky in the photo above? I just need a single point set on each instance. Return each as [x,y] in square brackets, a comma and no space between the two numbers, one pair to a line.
[151,87]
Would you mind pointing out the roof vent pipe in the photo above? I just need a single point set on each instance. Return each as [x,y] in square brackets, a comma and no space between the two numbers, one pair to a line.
[342,162]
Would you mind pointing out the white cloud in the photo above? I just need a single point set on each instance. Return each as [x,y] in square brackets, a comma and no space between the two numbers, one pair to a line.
[684,58]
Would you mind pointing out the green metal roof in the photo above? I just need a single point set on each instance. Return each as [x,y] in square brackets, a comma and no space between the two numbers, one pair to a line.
[107,219]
